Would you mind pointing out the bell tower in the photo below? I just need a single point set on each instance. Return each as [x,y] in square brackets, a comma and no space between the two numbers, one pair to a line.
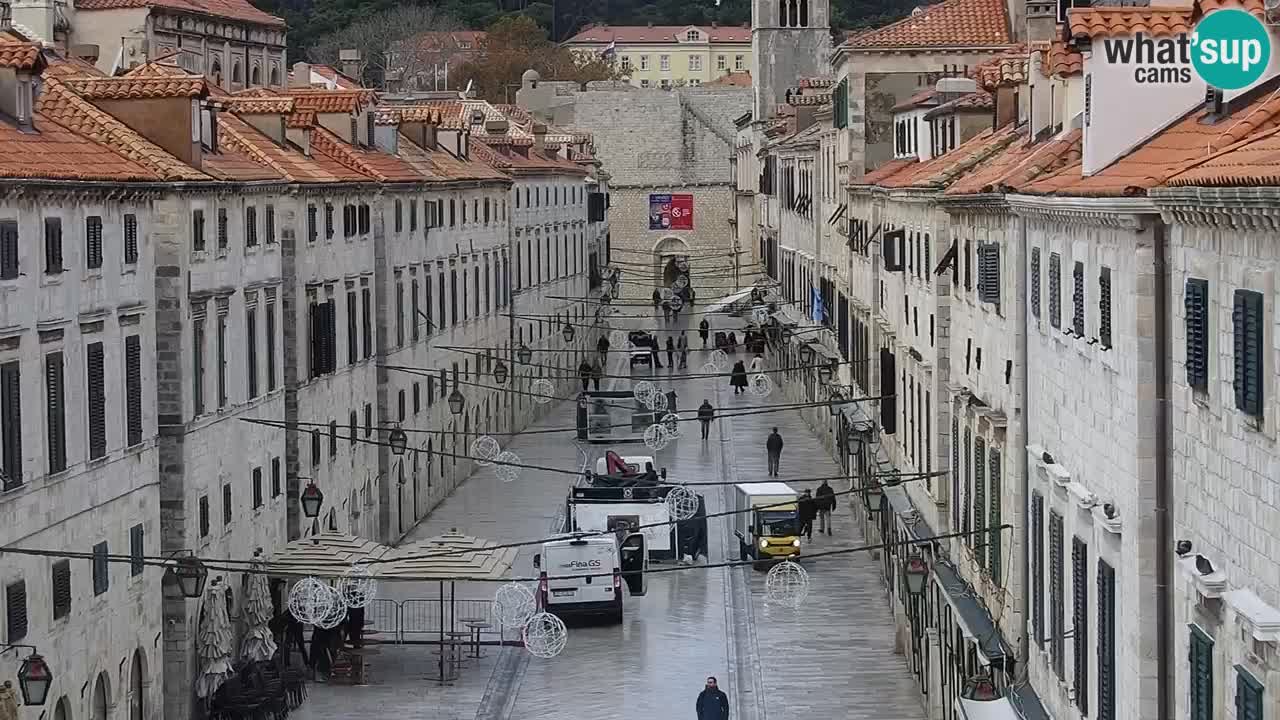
[790,39]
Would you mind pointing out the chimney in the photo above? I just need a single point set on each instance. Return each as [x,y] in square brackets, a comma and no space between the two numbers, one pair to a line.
[301,75]
[351,65]
[539,137]
[1006,106]
[951,88]
[16,98]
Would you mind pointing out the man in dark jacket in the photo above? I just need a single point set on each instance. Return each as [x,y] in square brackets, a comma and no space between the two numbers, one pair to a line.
[584,373]
[706,414]
[826,500]
[808,510]
[602,347]
[712,703]
[774,447]
[704,330]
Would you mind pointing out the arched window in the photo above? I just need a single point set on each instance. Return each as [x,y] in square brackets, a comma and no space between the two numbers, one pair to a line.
[804,13]
[137,687]
[255,76]
[237,73]
[794,14]
[782,13]
[215,71]
[275,76]
[63,709]
[101,698]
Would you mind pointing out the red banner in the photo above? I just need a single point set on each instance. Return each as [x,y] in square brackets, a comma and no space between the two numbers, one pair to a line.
[670,212]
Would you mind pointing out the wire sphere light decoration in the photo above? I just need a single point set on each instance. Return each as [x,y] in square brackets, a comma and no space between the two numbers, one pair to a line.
[484,449]
[710,368]
[545,635]
[681,282]
[656,437]
[617,338]
[761,385]
[543,390]
[677,302]
[508,472]
[671,422]
[657,401]
[787,584]
[337,611]
[720,359]
[310,601]
[665,293]
[682,264]
[682,503]
[357,586]
[513,605]
[643,390]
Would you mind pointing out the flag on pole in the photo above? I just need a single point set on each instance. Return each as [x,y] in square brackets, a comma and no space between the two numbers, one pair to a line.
[610,50]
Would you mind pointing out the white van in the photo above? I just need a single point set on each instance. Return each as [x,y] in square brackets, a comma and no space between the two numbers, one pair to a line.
[583,575]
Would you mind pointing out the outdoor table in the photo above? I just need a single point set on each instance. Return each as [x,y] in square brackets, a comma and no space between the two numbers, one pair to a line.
[450,660]
[477,626]
[359,664]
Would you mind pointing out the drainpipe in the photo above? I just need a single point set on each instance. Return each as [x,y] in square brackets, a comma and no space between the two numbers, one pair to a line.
[1164,599]
[1024,637]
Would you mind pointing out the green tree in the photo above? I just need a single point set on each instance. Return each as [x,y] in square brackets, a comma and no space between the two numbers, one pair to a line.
[517,43]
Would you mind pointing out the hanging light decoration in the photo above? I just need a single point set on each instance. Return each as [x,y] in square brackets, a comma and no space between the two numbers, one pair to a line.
[311,499]
[543,390]
[916,570]
[682,503]
[761,385]
[398,440]
[310,600]
[721,360]
[34,680]
[188,574]
[567,332]
[524,354]
[508,467]
[657,401]
[456,401]
[337,610]
[656,437]
[513,605]
[545,635]
[671,422]
[484,449]
[500,373]
[787,584]
[357,586]
[642,390]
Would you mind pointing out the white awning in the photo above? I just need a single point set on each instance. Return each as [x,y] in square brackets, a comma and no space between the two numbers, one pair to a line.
[723,303]
[1000,709]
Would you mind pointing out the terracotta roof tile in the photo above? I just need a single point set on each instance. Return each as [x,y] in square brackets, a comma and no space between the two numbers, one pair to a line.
[287,162]
[119,88]
[20,56]
[1018,164]
[1251,163]
[975,101]
[73,112]
[258,105]
[376,164]
[1116,21]
[1186,143]
[658,34]
[301,119]
[230,163]
[54,152]
[1060,59]
[229,9]
[887,170]
[440,165]
[1007,68]
[332,101]
[941,171]
[951,23]
[738,78]
[65,67]
[925,98]
[1254,7]
[418,114]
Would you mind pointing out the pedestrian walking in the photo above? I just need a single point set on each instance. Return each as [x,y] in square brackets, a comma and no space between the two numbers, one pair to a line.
[666,310]
[712,703]
[706,414]
[671,403]
[826,500]
[757,364]
[808,509]
[671,352]
[657,298]
[675,312]
[738,378]
[773,446]
[653,354]
[584,373]
[602,347]
[704,330]
[596,374]
[682,344]
[692,294]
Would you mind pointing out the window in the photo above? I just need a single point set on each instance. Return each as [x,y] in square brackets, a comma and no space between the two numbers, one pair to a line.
[276,489]
[644,65]
[197,372]
[968,488]
[56,426]
[204,516]
[1196,304]
[1104,308]
[368,419]
[691,36]
[695,63]
[9,250]
[363,219]
[101,569]
[271,224]
[328,221]
[722,62]
[417,398]
[53,245]
[333,438]
[1077,299]
[130,239]
[251,349]
[1080,622]
[221,342]
[322,331]
[312,231]
[626,67]
[453,296]
[1056,599]
[644,82]
[426,316]
[226,504]
[133,389]
[353,339]
[11,417]
[399,313]
[366,322]
[353,422]
[15,604]
[222,228]
[980,495]
[400,405]
[995,533]
[1247,328]
[60,577]
[271,346]
[1107,643]
[1200,662]
[739,62]
[413,216]
[664,63]
[95,382]
[1037,568]
[92,240]
[1249,695]
[1055,290]
[1035,282]
[250,226]
[968,264]
[989,273]
[136,550]
[197,230]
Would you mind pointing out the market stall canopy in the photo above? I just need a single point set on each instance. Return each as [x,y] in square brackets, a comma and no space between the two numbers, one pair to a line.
[726,302]
[439,558]
[1000,709]
[324,555]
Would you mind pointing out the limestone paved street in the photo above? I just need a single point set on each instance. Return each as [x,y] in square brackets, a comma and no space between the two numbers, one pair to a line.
[833,659]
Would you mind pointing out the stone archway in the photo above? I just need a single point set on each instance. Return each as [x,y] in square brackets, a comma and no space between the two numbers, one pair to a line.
[665,253]
[138,684]
[100,705]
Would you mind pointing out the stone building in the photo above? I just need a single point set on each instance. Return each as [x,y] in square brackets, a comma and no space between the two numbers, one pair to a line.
[667,56]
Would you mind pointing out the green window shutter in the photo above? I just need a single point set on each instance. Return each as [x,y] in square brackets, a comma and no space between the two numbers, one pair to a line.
[993,516]
[1037,567]
[1056,599]
[955,475]
[1035,282]
[1246,320]
[968,490]
[1248,696]
[1055,290]
[1196,305]
[1200,660]
[980,493]
[1106,641]
[1104,308]
[1077,299]
[1080,622]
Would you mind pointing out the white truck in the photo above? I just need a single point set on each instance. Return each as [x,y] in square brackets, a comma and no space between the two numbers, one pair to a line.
[584,574]
[766,521]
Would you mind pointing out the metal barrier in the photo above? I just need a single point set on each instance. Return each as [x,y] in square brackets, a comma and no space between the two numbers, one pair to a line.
[424,620]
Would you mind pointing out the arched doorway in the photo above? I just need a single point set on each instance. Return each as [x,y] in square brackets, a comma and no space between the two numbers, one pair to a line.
[101,707]
[137,686]
[63,709]
[666,253]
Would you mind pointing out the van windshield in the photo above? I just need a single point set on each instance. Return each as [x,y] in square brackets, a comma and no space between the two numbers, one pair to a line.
[777,523]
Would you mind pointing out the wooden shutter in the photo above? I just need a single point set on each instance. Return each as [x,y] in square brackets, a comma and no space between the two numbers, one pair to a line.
[222,228]
[93,241]
[226,504]
[256,482]
[53,245]
[275,476]
[313,344]
[353,338]
[955,475]
[271,224]
[251,350]
[979,496]
[61,581]
[993,516]
[130,239]
[312,231]
[1107,642]
[1077,299]
[1104,308]
[1196,306]
[101,572]
[97,401]
[250,226]
[270,334]
[15,605]
[967,518]
[137,550]
[54,412]
[1035,282]
[891,248]
[331,336]
[1055,290]
[989,273]
[1080,622]
[888,406]
[1056,599]
[1248,696]
[968,264]
[8,249]
[197,230]
[1200,661]
[1246,319]
[204,516]
[133,389]
[1037,567]
[11,419]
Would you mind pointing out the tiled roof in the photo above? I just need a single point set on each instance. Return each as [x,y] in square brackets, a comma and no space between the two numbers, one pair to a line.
[945,169]
[887,170]
[119,88]
[658,34]
[925,98]
[441,165]
[65,67]
[1019,164]
[1251,163]
[286,162]
[229,9]
[1254,7]
[19,56]
[230,163]
[335,76]
[740,78]
[258,105]
[1116,21]
[301,119]
[419,114]
[1187,142]
[1060,59]
[1007,68]
[161,67]
[381,166]
[951,23]
[980,101]
[332,101]
[58,102]
[55,153]
[816,82]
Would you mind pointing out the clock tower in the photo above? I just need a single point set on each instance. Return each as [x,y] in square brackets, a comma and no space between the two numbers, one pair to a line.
[790,39]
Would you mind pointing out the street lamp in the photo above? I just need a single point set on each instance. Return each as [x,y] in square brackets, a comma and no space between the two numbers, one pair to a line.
[872,495]
[500,373]
[835,401]
[567,331]
[806,355]
[189,574]
[523,354]
[916,570]
[398,439]
[311,499]
[456,401]
[34,676]
[825,372]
